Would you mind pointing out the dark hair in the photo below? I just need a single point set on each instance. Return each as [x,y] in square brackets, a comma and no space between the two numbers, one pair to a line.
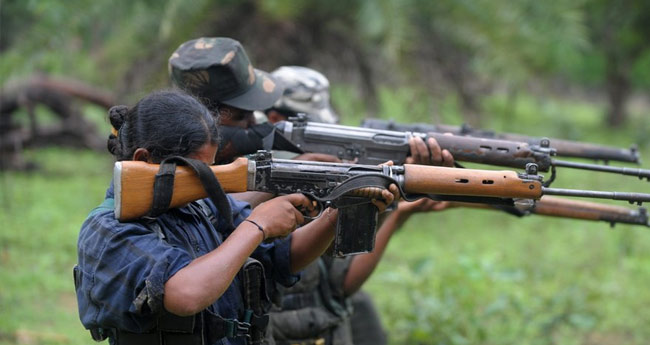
[166,123]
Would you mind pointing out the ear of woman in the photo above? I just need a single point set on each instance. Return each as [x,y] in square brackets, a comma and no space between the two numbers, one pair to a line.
[141,154]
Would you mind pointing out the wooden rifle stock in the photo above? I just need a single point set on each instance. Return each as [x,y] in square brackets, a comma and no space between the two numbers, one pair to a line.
[134,182]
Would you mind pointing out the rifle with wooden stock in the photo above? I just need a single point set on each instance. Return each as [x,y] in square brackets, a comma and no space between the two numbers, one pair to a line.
[348,187]
[574,209]
[375,146]
[563,148]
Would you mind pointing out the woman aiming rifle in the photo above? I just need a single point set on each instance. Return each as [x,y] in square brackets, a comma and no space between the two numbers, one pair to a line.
[178,278]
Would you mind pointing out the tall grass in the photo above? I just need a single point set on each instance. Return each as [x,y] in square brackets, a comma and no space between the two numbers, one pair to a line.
[40,217]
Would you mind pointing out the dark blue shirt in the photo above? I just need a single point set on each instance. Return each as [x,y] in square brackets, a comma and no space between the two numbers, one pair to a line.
[124,266]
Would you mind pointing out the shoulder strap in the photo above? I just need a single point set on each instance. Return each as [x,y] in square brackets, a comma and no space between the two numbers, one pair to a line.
[164,186]
[207,212]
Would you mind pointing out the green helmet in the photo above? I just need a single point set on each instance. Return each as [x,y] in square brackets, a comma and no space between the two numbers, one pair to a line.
[306,91]
[218,69]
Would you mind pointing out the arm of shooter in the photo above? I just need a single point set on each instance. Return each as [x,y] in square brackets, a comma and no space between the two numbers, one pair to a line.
[253,198]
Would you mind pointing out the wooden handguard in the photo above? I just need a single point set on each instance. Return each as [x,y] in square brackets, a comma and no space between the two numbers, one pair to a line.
[134,182]
[423,179]
[564,208]
[577,209]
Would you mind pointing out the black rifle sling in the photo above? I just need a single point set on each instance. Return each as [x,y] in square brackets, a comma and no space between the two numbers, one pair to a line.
[358,182]
[164,186]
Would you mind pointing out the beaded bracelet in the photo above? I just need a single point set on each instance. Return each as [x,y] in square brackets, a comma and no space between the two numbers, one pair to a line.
[259,227]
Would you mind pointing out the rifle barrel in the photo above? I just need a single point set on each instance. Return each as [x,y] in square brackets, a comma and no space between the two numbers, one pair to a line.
[640,173]
[630,197]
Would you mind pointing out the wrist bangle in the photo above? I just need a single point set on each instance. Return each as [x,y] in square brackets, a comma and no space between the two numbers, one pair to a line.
[258,227]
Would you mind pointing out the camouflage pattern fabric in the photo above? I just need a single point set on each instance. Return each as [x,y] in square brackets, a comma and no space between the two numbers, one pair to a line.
[217,69]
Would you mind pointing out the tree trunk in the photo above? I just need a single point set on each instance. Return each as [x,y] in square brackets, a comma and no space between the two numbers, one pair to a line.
[618,92]
[60,96]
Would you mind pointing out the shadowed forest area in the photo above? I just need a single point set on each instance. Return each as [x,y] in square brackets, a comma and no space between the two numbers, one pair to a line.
[568,69]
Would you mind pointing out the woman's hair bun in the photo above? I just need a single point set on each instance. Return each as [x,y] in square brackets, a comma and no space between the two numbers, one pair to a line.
[117,115]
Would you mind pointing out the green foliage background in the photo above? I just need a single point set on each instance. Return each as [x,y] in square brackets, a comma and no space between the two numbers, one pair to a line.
[458,277]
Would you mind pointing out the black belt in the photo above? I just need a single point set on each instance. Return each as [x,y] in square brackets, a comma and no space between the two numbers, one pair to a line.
[215,328]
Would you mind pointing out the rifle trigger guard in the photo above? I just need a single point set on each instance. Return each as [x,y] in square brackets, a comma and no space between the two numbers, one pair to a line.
[321,206]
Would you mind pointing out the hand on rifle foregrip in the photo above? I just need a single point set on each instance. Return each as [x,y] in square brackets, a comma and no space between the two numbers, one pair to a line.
[387,197]
[428,153]
[422,205]
[282,215]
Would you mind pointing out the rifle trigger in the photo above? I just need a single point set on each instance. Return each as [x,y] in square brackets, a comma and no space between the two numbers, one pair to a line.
[319,206]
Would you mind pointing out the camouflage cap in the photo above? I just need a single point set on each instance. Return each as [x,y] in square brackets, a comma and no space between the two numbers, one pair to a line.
[217,68]
[305,91]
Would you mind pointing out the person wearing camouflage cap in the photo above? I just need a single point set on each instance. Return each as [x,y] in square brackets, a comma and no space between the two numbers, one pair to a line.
[306,91]
[219,72]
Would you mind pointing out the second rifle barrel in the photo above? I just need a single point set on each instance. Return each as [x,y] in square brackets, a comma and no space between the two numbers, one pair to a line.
[631,197]
[640,173]
[564,148]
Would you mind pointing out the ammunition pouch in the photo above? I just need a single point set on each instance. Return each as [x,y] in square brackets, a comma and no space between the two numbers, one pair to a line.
[256,300]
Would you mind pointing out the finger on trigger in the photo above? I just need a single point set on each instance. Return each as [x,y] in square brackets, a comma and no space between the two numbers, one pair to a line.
[297,199]
[299,217]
